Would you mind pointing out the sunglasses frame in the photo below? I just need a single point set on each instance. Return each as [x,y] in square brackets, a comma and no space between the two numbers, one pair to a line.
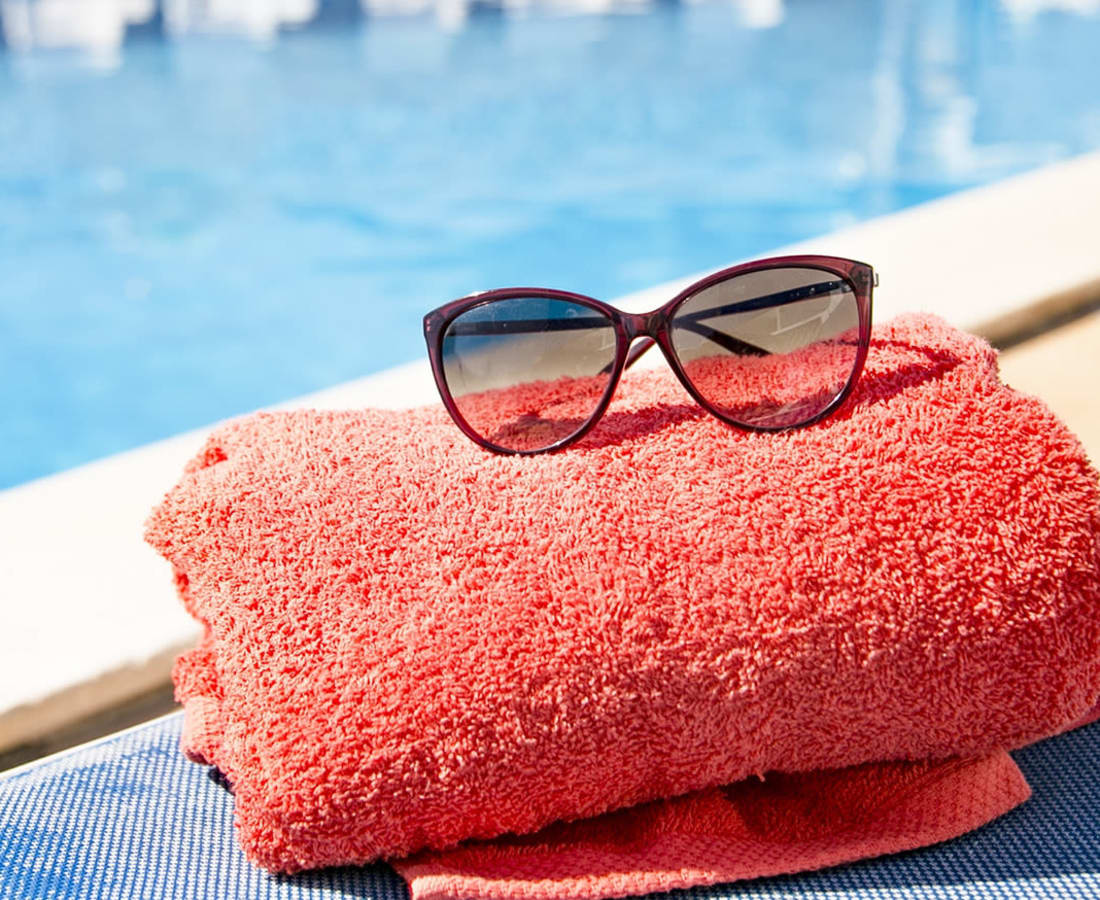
[655,325]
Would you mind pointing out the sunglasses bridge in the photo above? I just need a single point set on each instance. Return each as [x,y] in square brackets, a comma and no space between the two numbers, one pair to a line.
[642,331]
[642,325]
[642,328]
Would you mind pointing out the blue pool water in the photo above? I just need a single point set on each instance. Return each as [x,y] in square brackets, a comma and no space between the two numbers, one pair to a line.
[212,224]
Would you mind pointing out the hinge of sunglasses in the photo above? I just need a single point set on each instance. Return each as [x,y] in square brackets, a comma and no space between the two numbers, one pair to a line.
[876,279]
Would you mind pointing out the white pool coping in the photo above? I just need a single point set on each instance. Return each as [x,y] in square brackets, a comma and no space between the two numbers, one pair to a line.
[90,619]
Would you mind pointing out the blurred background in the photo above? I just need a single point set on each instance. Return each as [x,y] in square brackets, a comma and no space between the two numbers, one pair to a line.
[211,205]
[208,206]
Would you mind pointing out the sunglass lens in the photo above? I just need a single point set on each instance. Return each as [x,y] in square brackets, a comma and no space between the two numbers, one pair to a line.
[770,349]
[528,372]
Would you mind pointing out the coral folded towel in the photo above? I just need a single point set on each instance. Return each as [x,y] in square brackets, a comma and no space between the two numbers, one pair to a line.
[733,654]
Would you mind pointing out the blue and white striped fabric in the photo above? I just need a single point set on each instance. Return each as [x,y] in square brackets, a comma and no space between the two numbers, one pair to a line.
[129,817]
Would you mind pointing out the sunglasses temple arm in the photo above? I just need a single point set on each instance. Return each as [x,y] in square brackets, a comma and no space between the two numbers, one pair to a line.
[769,301]
[633,356]
[688,323]
[637,351]
[727,341]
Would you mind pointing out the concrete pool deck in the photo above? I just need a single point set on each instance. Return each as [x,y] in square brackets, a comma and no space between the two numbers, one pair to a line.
[1062,366]
[91,620]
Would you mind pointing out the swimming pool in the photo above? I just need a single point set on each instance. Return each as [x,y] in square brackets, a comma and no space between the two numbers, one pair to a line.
[214,224]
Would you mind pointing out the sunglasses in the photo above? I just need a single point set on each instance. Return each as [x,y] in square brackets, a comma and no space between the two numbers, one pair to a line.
[765,346]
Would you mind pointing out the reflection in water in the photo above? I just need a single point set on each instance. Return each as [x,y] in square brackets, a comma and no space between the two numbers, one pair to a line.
[258,19]
[101,25]
[92,24]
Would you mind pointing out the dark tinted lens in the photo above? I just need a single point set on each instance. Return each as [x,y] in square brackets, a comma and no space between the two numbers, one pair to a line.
[772,349]
[528,372]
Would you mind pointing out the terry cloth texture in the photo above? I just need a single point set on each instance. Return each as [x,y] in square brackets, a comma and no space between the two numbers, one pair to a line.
[410,642]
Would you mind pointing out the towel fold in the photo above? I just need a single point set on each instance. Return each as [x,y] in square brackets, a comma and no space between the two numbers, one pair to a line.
[779,825]
[409,642]
[757,827]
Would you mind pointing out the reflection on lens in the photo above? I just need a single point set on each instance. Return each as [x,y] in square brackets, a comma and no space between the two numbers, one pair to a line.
[771,349]
[528,372]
